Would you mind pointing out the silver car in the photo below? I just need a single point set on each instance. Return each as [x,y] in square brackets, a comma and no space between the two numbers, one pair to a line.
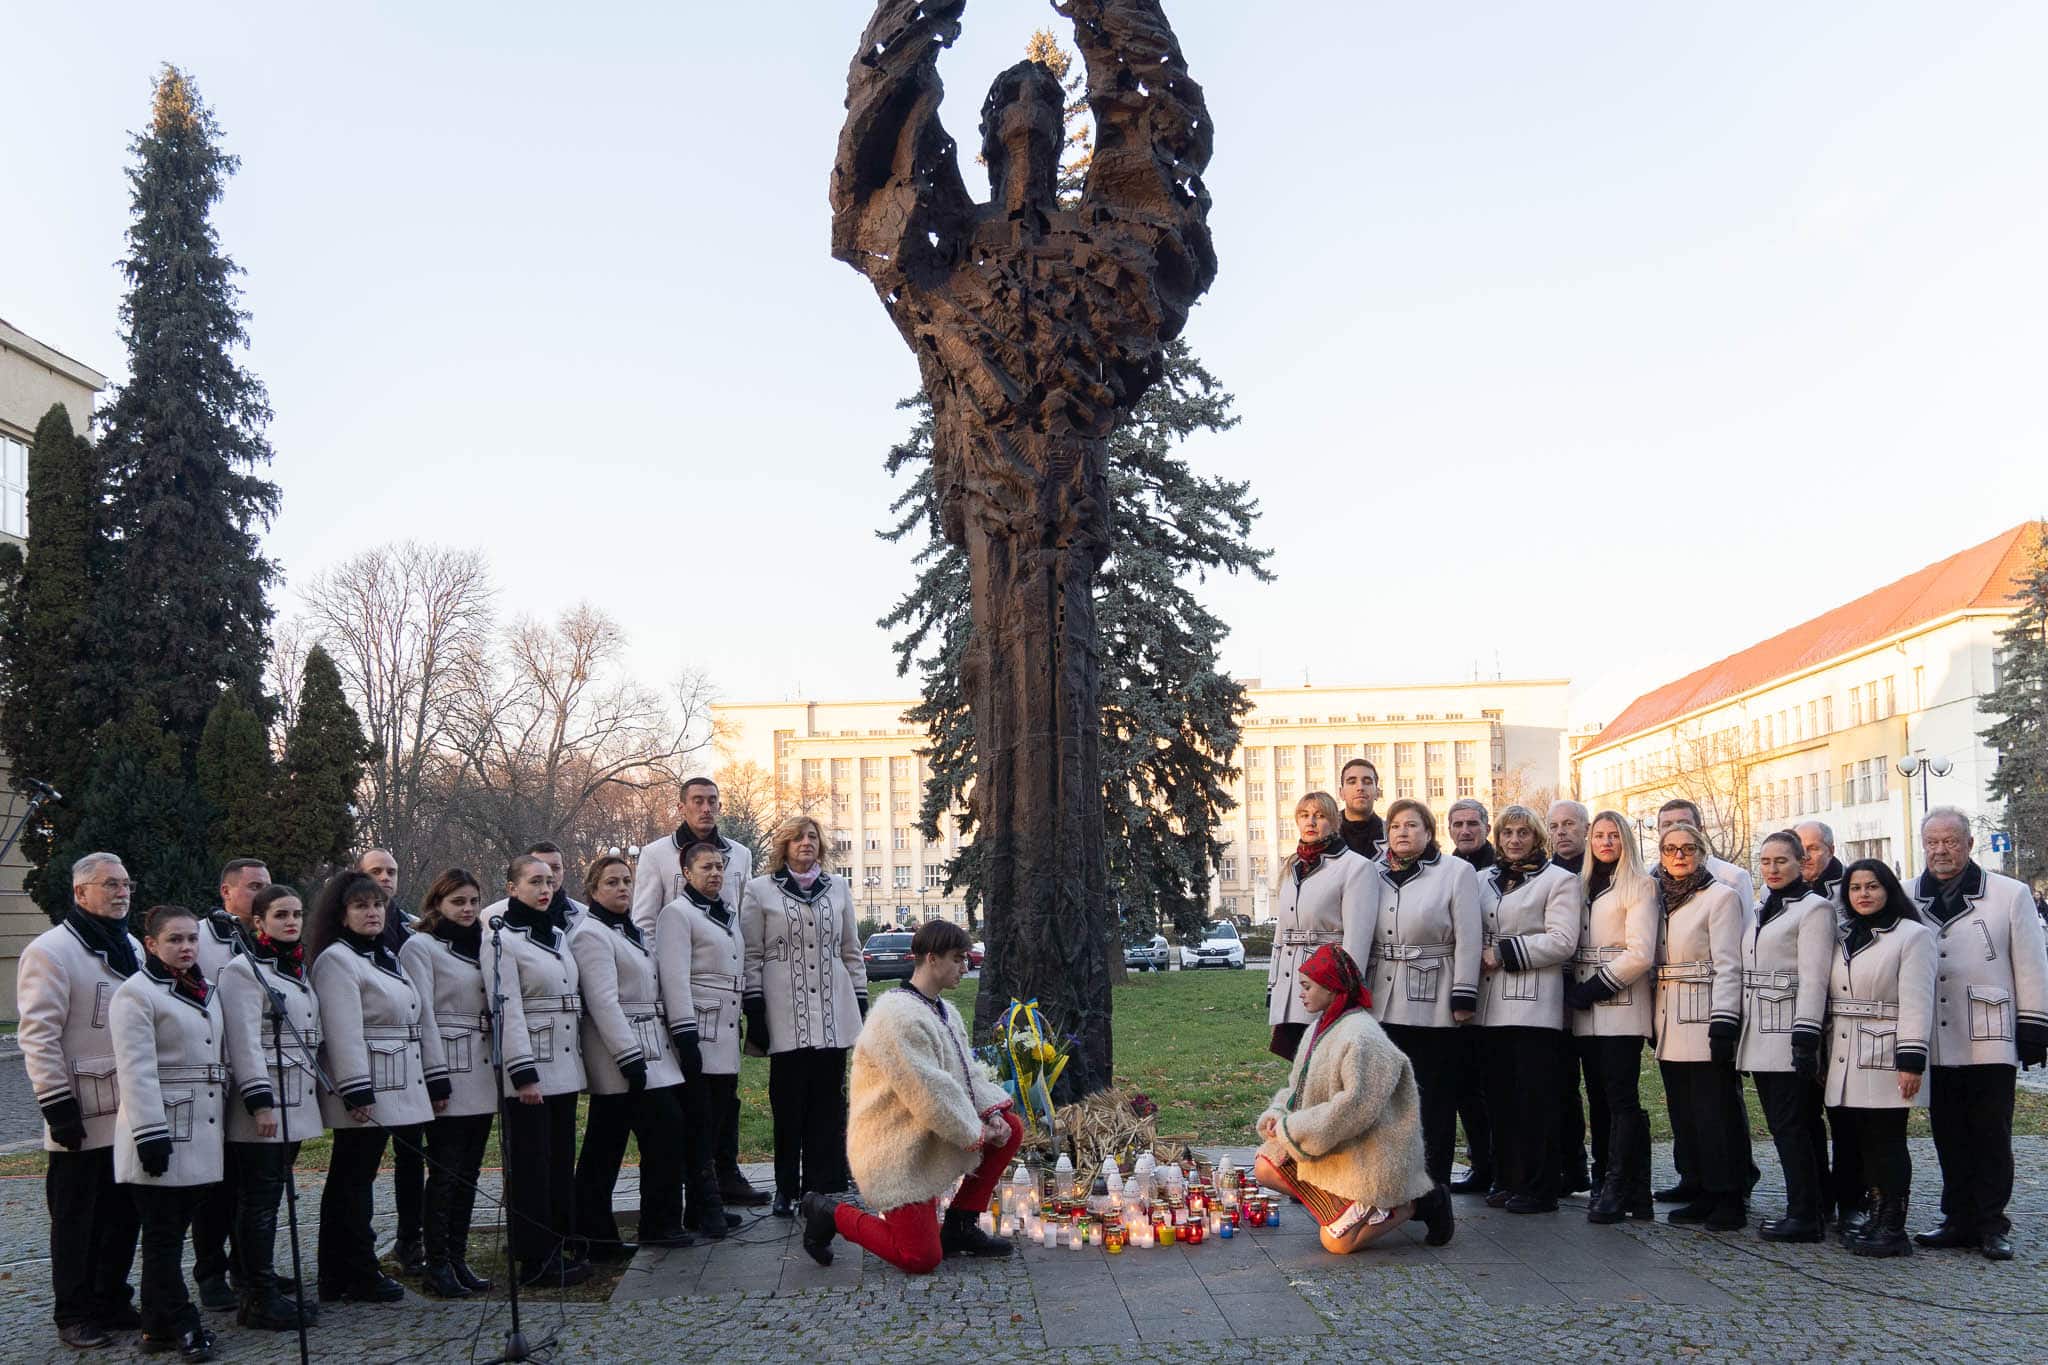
[1151,956]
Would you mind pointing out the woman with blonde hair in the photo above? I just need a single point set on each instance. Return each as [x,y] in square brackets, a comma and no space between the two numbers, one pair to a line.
[1609,994]
[1325,896]
[805,994]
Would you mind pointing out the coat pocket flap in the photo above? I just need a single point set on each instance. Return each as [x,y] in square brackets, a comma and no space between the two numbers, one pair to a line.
[1990,995]
[94,1068]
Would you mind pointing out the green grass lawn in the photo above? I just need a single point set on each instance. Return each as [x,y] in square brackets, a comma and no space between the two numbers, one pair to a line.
[1193,1041]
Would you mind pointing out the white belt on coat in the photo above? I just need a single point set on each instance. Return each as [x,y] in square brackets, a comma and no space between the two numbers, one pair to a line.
[643,1009]
[205,1074]
[1686,971]
[1410,952]
[1768,980]
[1594,957]
[408,1032]
[309,1036]
[1311,938]
[717,981]
[553,1004]
[464,1023]
[1864,1009]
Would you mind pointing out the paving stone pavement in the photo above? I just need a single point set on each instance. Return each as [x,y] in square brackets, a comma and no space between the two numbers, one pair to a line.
[1519,1288]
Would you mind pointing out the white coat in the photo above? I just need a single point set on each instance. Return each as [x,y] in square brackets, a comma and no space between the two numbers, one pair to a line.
[803,959]
[1699,973]
[701,963]
[220,942]
[1784,979]
[371,1022]
[542,1025]
[1336,903]
[1618,936]
[1733,876]
[272,1059]
[173,1080]
[1535,930]
[1424,961]
[63,991]
[658,879]
[1880,1009]
[623,1018]
[458,1048]
[1991,971]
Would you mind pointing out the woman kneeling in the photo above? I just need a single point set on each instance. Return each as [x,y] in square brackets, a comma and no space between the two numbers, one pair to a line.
[1345,1136]
[922,1117]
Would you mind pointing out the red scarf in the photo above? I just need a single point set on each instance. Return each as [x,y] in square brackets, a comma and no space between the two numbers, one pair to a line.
[1308,855]
[1332,969]
[291,957]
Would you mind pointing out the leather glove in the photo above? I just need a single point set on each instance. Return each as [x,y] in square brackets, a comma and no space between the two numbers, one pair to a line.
[755,1008]
[2033,1054]
[1584,995]
[439,1089]
[1806,1053]
[154,1154]
[635,1073]
[862,1000]
[67,1124]
[689,1055]
[1721,1049]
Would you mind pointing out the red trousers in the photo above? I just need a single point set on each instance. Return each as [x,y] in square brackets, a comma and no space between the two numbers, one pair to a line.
[907,1237]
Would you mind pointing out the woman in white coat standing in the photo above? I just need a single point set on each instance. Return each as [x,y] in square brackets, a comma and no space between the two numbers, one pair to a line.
[1325,895]
[169,1054]
[1610,995]
[273,1031]
[1786,949]
[701,962]
[444,958]
[1529,910]
[1423,969]
[373,1082]
[806,992]
[1699,1019]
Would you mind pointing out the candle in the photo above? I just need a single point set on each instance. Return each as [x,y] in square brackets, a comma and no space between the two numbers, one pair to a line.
[1258,1215]
[1273,1215]
[1227,1229]
[1050,1235]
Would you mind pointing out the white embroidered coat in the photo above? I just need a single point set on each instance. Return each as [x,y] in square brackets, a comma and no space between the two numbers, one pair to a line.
[803,959]
[271,1057]
[63,991]
[173,1081]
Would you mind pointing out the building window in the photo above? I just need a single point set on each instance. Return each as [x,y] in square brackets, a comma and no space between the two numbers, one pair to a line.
[1286,792]
[844,872]
[899,802]
[1881,778]
[1404,788]
[782,739]
[1255,760]
[899,769]
[1857,849]
[1376,754]
[1891,694]
[1813,718]
[872,841]
[1346,752]
[871,875]
[1404,756]
[1433,754]
[814,773]
[1256,791]
[1919,688]
[13,487]
[1813,792]
[1230,905]
[842,772]
[1283,760]
[842,803]
[1465,787]
[1770,734]
[1827,715]
[871,802]
[1227,867]
[1827,788]
[842,842]
[1257,834]
[900,877]
[1855,706]
[899,839]
[1258,867]
[871,770]
[1468,755]
[1315,759]
[934,876]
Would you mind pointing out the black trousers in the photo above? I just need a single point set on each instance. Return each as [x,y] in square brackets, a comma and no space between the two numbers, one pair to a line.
[711,1106]
[1792,1105]
[1845,1172]
[93,1230]
[262,1169]
[1705,1099]
[1437,1056]
[1878,1136]
[539,1141]
[1472,1115]
[408,1187]
[214,1219]
[807,1099]
[1970,1110]
[455,1153]
[655,1117]
[1613,1067]
[166,1215]
[1571,1123]
[1522,1094]
[348,1243]
[727,1152]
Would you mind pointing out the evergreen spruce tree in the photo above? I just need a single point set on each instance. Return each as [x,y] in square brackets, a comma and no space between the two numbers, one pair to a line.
[183,437]
[52,694]
[317,780]
[237,779]
[137,803]
[2021,739]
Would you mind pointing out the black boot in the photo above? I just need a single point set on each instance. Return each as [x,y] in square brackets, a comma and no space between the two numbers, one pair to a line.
[820,1224]
[1856,1214]
[439,1280]
[1634,1156]
[961,1235]
[706,1213]
[1610,1203]
[467,1278]
[1434,1212]
[1884,1232]
[411,1255]
[1684,1192]
[1698,1211]
[266,1310]
[1731,1214]
[735,1189]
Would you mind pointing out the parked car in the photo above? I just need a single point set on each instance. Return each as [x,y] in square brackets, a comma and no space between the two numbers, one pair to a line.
[975,953]
[1150,956]
[1220,947]
[887,956]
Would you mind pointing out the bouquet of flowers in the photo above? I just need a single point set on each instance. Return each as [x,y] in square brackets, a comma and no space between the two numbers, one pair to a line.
[1028,1059]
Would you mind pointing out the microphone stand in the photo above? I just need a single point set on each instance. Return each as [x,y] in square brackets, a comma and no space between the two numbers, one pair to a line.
[284,1137]
[43,792]
[515,1340]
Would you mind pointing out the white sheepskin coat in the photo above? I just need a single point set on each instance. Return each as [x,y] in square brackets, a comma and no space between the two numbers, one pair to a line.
[1350,1117]
[914,1121]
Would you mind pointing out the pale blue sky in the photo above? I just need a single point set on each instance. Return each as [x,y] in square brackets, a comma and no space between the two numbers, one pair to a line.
[1538,315]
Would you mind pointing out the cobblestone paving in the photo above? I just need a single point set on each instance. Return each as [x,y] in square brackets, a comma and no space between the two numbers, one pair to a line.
[1526,1289]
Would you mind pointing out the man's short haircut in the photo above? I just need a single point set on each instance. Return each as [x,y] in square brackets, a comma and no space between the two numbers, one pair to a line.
[1827,831]
[1364,763]
[699,781]
[234,865]
[1962,821]
[82,871]
[1578,808]
[545,846]
[1691,808]
[1471,803]
[940,936]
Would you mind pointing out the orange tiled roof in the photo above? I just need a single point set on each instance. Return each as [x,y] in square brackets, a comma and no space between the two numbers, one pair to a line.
[1983,576]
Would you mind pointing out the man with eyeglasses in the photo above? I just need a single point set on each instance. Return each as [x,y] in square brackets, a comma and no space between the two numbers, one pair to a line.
[1990,1019]
[65,985]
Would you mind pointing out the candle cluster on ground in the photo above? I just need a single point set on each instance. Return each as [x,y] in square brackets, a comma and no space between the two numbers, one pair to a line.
[1150,1204]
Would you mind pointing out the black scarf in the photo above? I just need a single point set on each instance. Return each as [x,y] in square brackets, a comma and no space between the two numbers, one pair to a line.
[1602,878]
[1948,899]
[1574,864]
[713,907]
[539,924]
[1404,874]
[558,909]
[107,937]
[286,959]
[369,946]
[1776,901]
[1363,836]
[1832,874]
[1510,875]
[618,924]
[397,929]
[1481,857]
[1862,928]
[188,983]
[466,941]
[1673,894]
[685,836]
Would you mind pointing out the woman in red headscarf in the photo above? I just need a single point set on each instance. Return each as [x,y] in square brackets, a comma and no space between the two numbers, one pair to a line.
[1345,1136]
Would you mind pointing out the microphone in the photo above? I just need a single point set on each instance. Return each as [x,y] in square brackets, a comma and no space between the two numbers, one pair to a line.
[45,788]
[497,923]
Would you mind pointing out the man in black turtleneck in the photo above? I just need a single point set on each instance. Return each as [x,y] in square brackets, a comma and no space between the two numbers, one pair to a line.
[1469,824]
[1358,786]
[1819,868]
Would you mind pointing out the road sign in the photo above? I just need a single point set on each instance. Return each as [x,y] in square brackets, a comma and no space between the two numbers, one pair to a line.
[2001,842]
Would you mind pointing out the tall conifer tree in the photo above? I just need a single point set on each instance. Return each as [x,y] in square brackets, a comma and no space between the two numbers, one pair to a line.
[317,780]
[139,804]
[238,780]
[2021,739]
[183,439]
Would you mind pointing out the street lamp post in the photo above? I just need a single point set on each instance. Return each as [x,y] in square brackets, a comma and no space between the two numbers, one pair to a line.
[1910,767]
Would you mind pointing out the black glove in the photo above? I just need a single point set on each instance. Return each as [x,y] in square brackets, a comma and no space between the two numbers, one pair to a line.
[1806,1053]
[2032,1043]
[154,1154]
[67,1125]
[861,999]
[439,1089]
[1584,995]
[635,1073]
[755,1008]
[688,1054]
[1721,1049]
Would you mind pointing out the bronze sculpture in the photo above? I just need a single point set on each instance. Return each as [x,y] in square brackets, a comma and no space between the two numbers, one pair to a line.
[1035,328]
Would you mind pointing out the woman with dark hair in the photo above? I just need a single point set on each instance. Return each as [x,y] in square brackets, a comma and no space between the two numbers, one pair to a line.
[700,958]
[170,1064]
[1786,946]
[1423,971]
[273,1035]
[371,1022]
[805,996]
[533,972]
[444,958]
[1880,1010]
[636,1083]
